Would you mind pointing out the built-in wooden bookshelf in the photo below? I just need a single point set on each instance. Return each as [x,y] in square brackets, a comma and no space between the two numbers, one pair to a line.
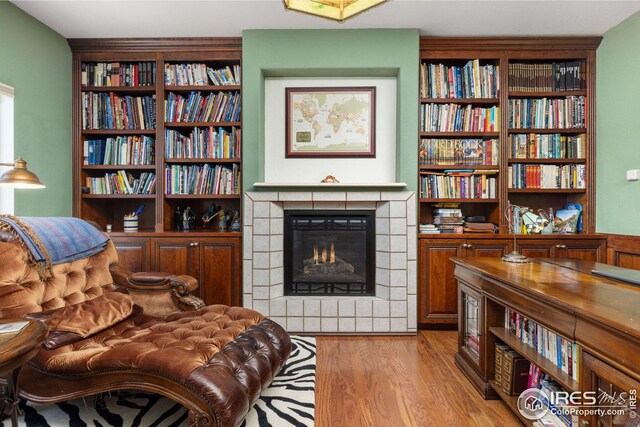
[515,74]
[120,90]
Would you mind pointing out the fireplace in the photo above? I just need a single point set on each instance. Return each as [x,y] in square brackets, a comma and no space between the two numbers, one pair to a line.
[329,252]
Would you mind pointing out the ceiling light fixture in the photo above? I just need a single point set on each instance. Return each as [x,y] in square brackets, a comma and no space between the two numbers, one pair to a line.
[338,10]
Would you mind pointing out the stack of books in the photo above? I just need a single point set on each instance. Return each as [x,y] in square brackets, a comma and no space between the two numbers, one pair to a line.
[428,229]
[512,370]
[448,219]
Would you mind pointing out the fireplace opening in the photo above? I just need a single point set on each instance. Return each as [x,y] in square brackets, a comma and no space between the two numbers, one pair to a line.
[329,252]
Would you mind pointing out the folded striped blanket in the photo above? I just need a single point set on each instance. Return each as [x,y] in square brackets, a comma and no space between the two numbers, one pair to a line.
[55,240]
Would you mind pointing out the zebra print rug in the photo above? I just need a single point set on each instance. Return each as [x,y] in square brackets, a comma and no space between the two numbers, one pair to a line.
[289,401]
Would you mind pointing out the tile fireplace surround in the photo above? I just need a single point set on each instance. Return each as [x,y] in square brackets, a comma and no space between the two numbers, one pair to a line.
[392,310]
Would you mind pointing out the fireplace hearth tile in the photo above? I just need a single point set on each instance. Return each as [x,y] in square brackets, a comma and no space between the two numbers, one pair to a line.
[329,205]
[398,278]
[276,210]
[276,226]
[261,260]
[261,210]
[364,308]
[261,226]
[364,324]
[383,210]
[276,259]
[368,206]
[346,308]
[398,244]
[382,276]
[277,291]
[263,195]
[382,292]
[278,307]
[381,324]
[411,213]
[398,260]
[411,273]
[298,205]
[347,324]
[291,196]
[398,309]
[396,195]
[295,324]
[294,307]
[382,242]
[261,293]
[398,226]
[382,225]
[329,308]
[412,242]
[398,294]
[247,243]
[276,242]
[380,308]
[311,324]
[329,324]
[260,277]
[398,323]
[260,243]
[382,259]
[311,307]
[277,276]
[261,306]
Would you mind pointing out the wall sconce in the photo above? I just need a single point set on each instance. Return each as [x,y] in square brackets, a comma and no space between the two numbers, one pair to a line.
[338,10]
[19,176]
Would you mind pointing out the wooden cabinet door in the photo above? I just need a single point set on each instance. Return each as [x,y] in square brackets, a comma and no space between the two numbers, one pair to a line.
[220,271]
[588,250]
[483,248]
[535,248]
[133,253]
[437,287]
[173,255]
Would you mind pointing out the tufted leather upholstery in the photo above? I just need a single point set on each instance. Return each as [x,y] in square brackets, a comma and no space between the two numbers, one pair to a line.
[215,360]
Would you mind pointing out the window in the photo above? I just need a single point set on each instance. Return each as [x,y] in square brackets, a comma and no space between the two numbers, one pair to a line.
[6,143]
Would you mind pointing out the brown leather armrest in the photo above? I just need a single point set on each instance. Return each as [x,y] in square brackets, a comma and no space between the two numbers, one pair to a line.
[152,290]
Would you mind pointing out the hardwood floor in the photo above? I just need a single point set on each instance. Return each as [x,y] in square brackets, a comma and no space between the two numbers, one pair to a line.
[399,381]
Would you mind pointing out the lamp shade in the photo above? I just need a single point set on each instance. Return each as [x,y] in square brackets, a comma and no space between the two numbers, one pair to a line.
[20,177]
[338,10]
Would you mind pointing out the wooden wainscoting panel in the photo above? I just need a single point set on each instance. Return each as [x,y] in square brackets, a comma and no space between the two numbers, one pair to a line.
[623,251]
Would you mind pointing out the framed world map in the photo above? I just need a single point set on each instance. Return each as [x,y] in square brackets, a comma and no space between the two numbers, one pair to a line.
[330,122]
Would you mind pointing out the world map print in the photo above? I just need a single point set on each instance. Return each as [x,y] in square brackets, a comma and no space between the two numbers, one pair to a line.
[330,121]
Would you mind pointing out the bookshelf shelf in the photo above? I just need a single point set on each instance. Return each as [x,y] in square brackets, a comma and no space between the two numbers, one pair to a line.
[547,161]
[118,196]
[117,167]
[552,94]
[201,160]
[478,101]
[108,132]
[457,167]
[443,200]
[200,124]
[208,88]
[532,356]
[547,190]
[121,89]
[202,196]
[459,134]
[561,131]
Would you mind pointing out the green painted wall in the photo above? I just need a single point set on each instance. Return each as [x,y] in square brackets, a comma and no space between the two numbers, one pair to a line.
[36,62]
[618,129]
[329,53]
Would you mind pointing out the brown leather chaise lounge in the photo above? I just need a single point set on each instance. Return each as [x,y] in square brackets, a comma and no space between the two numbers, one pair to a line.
[111,329]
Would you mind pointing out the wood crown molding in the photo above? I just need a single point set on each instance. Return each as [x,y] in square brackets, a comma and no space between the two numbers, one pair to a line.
[510,43]
[155,44]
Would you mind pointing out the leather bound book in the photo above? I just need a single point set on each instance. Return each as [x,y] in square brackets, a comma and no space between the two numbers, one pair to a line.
[515,373]
[500,350]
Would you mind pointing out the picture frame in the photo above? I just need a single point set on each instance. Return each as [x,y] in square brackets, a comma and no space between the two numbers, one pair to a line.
[330,122]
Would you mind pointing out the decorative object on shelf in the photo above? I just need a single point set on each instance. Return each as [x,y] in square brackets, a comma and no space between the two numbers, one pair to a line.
[177,219]
[235,220]
[188,219]
[19,176]
[221,215]
[330,122]
[130,224]
[338,10]
[109,228]
[548,229]
[330,179]
[209,214]
[514,256]
[566,220]
[578,207]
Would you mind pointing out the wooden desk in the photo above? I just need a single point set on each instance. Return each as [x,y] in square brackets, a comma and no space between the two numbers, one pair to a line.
[16,349]
[600,315]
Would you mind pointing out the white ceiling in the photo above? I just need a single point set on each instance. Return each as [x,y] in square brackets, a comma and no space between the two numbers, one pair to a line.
[185,18]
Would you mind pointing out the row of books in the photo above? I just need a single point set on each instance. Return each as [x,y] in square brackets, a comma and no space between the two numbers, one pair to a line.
[458,118]
[206,179]
[515,374]
[203,143]
[459,185]
[214,107]
[563,113]
[469,81]
[459,151]
[122,182]
[546,176]
[553,347]
[118,74]
[112,111]
[555,76]
[122,150]
[446,221]
[200,75]
[547,146]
